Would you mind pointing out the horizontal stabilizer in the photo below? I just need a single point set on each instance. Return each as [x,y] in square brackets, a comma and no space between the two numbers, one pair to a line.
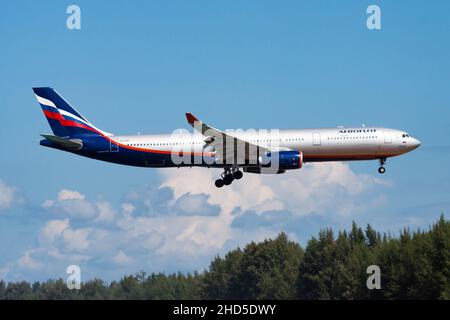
[70,144]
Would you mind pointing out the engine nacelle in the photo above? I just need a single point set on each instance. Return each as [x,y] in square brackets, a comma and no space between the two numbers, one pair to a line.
[281,160]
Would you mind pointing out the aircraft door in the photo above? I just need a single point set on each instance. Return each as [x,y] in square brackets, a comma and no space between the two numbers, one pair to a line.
[316,139]
[387,138]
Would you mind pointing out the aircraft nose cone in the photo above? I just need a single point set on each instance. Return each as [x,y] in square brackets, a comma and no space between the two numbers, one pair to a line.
[416,143]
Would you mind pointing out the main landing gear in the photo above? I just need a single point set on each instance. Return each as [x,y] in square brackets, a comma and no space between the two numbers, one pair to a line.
[381,169]
[228,176]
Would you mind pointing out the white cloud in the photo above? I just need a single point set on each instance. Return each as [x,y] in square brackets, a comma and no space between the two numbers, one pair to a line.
[105,212]
[64,195]
[127,208]
[7,195]
[48,204]
[164,228]
[59,234]
[77,240]
[53,229]
[244,193]
[28,262]
[330,189]
[320,187]
[74,204]
[122,259]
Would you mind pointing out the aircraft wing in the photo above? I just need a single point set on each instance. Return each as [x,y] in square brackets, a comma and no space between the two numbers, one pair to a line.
[226,146]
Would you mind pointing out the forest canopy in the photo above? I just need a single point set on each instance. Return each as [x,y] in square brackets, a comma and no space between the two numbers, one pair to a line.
[413,265]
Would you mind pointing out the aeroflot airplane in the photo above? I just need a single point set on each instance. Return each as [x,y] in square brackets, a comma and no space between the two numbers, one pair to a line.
[252,151]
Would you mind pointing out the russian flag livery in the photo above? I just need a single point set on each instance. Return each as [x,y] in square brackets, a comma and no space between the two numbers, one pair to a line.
[235,151]
[64,120]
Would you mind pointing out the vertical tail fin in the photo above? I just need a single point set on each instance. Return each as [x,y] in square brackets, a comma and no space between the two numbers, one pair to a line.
[51,112]
[64,120]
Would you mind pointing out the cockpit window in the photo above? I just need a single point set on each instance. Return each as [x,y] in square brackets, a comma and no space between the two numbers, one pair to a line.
[405,135]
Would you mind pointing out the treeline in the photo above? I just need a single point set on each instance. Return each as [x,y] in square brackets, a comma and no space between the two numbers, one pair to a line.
[414,265]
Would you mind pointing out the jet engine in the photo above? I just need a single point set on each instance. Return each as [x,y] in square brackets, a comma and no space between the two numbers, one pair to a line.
[277,162]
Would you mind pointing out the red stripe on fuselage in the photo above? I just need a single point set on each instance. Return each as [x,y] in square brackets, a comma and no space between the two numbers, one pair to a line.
[210,154]
[349,156]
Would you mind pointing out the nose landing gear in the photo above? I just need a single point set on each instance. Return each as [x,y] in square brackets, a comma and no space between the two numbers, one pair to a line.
[228,176]
[381,169]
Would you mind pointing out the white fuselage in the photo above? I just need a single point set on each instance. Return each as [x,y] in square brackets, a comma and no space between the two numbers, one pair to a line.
[328,144]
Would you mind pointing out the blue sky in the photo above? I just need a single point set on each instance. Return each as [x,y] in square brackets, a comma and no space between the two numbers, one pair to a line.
[254,64]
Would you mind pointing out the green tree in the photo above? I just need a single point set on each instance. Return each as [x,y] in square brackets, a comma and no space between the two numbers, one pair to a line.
[267,270]
[440,258]
[221,281]
[2,290]
[316,270]
[18,291]
[129,288]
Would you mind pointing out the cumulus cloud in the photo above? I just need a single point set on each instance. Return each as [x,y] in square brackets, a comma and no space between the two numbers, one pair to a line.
[149,201]
[53,229]
[7,195]
[300,202]
[28,262]
[75,205]
[127,208]
[269,219]
[322,187]
[77,240]
[195,205]
[57,232]
[183,222]
[122,259]
[105,212]
[64,195]
[153,201]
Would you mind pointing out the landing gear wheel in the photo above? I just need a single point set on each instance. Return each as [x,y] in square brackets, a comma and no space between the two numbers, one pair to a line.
[237,175]
[381,169]
[228,179]
[219,183]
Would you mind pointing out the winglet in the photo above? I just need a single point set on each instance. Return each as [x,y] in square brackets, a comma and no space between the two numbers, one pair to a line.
[191,118]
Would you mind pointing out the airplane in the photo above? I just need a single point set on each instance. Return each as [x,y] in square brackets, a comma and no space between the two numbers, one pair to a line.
[251,151]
